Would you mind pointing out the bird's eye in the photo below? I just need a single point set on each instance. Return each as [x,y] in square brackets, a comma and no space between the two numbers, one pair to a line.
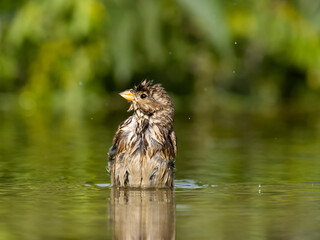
[143,95]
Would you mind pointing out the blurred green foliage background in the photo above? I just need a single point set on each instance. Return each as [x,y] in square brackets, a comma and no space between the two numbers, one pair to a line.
[73,56]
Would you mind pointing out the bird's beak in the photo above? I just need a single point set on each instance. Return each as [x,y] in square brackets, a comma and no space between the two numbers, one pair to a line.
[128,95]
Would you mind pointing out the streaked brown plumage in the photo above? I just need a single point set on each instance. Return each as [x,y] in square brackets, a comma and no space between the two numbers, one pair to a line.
[144,146]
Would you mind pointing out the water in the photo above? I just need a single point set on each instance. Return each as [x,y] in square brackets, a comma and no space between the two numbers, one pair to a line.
[238,177]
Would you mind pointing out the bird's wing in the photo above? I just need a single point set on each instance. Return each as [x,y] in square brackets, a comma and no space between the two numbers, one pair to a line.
[114,148]
[159,169]
[173,139]
[116,143]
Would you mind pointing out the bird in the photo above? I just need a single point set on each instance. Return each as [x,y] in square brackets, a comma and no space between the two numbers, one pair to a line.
[144,146]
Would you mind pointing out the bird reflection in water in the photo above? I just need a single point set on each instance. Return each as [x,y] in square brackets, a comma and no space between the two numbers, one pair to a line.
[142,214]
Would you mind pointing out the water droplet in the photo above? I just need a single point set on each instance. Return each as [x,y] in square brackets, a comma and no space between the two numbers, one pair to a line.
[259,190]
[205,89]
[235,43]
[259,185]
[170,53]
[189,118]
[80,83]
[233,71]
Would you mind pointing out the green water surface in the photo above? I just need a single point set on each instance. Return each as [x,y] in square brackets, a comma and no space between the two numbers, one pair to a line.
[237,177]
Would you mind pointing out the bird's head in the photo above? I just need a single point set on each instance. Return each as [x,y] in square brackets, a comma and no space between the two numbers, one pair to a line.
[150,102]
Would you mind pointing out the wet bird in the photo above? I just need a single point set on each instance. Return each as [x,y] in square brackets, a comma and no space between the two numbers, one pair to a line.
[144,146]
